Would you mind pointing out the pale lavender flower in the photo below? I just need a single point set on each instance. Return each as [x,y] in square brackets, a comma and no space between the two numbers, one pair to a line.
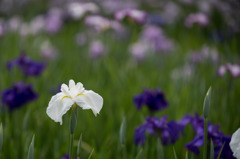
[37,24]
[139,50]
[196,18]
[14,23]
[54,20]
[111,6]
[205,53]
[2,28]
[77,10]
[134,14]
[48,51]
[97,49]
[171,12]
[222,70]
[97,22]
[234,69]
[184,72]
[155,37]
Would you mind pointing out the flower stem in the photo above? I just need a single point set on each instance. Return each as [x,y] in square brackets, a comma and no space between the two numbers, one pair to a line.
[205,139]
[71,147]
[73,123]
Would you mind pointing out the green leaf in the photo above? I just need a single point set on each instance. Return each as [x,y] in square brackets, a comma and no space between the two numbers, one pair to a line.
[219,155]
[160,153]
[211,150]
[174,153]
[139,154]
[207,103]
[1,136]
[123,131]
[186,157]
[31,149]
[89,157]
[79,146]
[74,116]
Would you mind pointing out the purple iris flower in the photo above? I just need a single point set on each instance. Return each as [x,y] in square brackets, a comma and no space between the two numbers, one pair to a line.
[27,65]
[139,136]
[66,157]
[18,95]
[153,99]
[214,134]
[134,14]
[169,132]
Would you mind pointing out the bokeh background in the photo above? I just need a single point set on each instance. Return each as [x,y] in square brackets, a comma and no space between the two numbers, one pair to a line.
[118,49]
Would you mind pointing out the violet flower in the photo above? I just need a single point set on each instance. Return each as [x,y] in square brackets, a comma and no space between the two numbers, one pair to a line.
[18,95]
[54,20]
[48,51]
[139,50]
[97,49]
[97,22]
[66,157]
[196,18]
[137,16]
[27,65]
[156,38]
[233,69]
[153,99]
[214,134]
[204,54]
[169,132]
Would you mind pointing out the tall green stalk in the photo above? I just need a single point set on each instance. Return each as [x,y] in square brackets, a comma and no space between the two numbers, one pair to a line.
[205,139]
[206,110]
[73,123]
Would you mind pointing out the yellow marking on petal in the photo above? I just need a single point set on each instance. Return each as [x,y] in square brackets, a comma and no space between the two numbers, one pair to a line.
[80,94]
[64,97]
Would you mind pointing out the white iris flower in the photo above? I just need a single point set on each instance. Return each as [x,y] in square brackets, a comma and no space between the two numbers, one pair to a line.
[73,94]
[235,144]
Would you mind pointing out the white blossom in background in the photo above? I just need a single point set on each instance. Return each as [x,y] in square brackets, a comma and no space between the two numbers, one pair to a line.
[70,95]
[235,144]
[14,23]
[77,10]
[48,51]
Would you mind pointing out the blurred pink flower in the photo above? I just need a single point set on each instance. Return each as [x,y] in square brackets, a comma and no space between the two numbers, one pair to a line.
[139,50]
[97,49]
[196,18]
[48,51]
[54,20]
[234,70]
[134,14]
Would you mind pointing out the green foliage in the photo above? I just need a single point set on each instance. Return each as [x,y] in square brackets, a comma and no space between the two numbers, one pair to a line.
[31,149]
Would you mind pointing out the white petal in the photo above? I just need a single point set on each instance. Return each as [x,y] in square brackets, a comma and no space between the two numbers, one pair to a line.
[235,144]
[58,106]
[90,100]
[71,83]
[65,89]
